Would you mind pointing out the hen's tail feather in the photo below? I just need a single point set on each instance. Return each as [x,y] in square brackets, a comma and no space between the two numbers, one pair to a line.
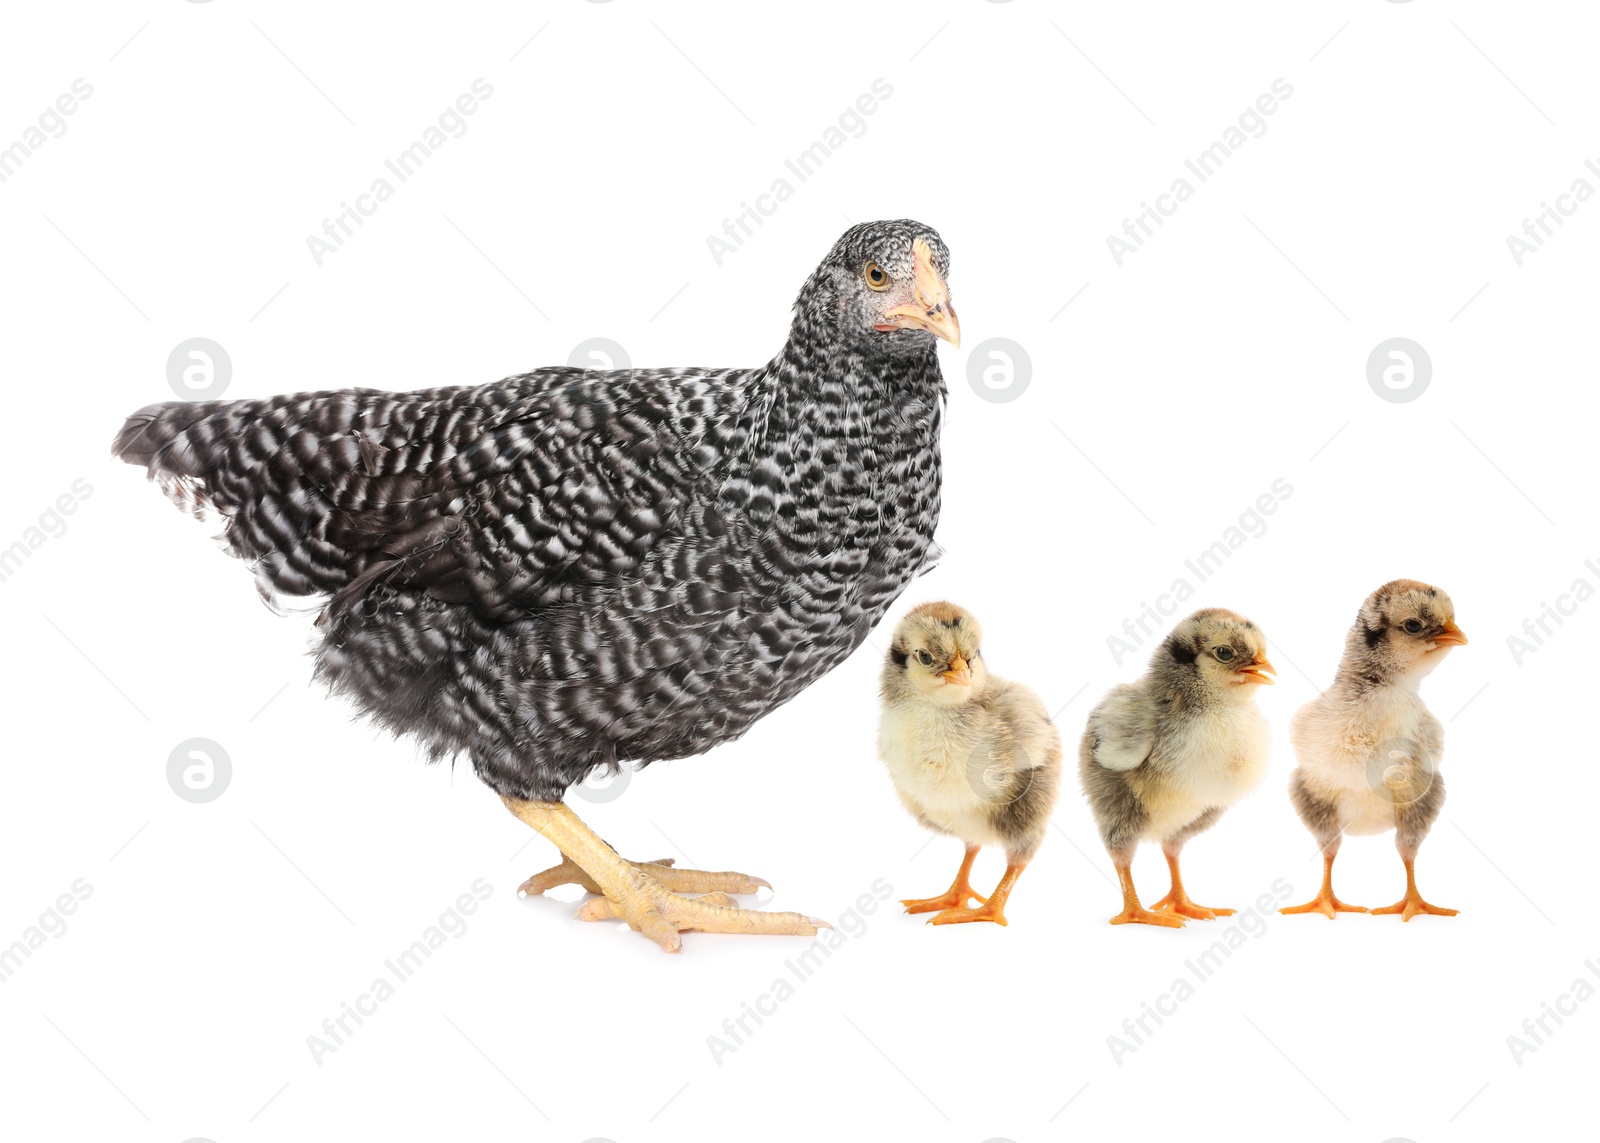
[247,462]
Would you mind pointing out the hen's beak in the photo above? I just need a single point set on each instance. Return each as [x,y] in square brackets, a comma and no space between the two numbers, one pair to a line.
[932,310]
[1451,636]
[959,673]
[1260,671]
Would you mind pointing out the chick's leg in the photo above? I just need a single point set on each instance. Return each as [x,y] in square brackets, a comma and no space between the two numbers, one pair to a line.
[954,897]
[1412,903]
[636,896]
[1134,913]
[1412,823]
[1177,901]
[1325,902]
[993,907]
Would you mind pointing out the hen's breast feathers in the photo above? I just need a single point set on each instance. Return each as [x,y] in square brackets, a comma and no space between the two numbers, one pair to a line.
[506,496]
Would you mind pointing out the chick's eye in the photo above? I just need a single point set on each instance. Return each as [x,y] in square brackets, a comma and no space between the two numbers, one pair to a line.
[1413,626]
[924,658]
[877,278]
[1224,654]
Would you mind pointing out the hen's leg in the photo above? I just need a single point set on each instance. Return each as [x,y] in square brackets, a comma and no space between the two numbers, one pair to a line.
[954,897]
[1177,901]
[636,896]
[1134,913]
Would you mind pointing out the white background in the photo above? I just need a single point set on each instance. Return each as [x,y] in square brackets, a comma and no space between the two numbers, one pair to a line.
[1227,353]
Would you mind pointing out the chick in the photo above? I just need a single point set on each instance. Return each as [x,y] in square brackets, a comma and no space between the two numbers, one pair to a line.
[1163,757]
[970,754]
[1368,748]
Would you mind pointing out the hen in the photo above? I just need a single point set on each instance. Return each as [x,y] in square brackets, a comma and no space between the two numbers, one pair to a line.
[570,570]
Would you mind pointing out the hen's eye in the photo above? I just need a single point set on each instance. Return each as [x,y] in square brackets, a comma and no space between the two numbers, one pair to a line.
[1223,654]
[924,658]
[1413,626]
[876,276]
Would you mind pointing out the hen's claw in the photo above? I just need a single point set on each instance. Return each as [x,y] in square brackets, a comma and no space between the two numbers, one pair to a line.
[661,915]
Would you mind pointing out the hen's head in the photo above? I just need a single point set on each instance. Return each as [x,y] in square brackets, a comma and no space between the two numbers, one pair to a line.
[1401,632]
[881,289]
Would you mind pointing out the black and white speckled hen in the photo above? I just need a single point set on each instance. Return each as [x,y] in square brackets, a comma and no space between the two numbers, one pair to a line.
[568,569]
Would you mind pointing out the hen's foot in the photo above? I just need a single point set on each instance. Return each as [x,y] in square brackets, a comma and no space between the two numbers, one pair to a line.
[660,914]
[640,894]
[689,881]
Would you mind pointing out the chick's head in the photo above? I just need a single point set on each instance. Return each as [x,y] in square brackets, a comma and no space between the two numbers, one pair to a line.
[935,655]
[1402,632]
[1215,652]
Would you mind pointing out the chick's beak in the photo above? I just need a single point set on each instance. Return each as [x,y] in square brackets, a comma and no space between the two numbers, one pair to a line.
[959,673]
[932,310]
[1260,670]
[1451,636]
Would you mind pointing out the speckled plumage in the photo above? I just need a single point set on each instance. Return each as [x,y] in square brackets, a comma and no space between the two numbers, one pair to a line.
[567,570]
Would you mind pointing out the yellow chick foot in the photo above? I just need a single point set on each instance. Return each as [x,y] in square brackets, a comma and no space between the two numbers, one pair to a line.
[1183,907]
[1134,913]
[992,909]
[1177,901]
[955,897]
[1412,903]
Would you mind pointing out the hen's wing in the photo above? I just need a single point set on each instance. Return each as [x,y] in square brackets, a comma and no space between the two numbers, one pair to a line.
[1123,728]
[508,497]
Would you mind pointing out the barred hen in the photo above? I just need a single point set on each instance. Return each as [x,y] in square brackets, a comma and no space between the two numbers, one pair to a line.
[569,570]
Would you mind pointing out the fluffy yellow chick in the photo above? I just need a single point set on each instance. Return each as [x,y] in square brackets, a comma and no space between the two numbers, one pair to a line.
[971,755]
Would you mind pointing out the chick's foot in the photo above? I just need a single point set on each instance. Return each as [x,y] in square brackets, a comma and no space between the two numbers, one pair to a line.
[955,897]
[1178,902]
[1326,904]
[1412,903]
[1134,913]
